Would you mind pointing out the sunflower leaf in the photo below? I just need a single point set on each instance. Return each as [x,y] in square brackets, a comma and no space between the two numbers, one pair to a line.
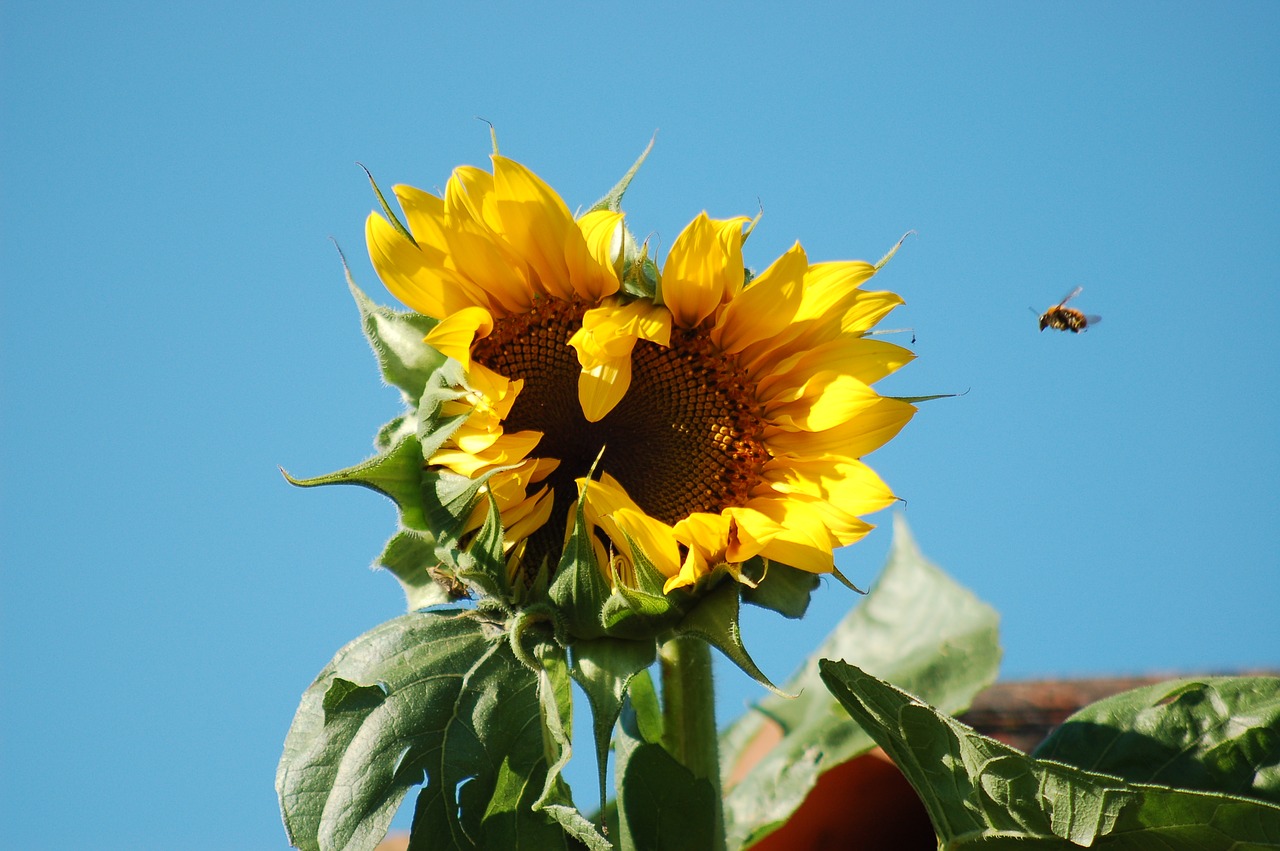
[978,791]
[918,627]
[396,338]
[396,473]
[434,698]
[660,803]
[1219,734]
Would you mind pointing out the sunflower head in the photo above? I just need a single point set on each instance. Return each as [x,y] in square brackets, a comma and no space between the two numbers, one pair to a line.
[590,427]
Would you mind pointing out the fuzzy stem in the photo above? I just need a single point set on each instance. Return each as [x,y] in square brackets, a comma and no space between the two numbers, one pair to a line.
[689,716]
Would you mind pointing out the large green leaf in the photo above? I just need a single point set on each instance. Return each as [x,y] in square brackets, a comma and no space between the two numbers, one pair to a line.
[661,805]
[434,698]
[917,627]
[982,793]
[1219,734]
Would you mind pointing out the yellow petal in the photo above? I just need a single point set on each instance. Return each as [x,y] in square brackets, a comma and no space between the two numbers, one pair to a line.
[529,517]
[510,448]
[469,195]
[627,525]
[603,231]
[844,482]
[454,334]
[866,360]
[602,387]
[417,277]
[692,569]
[824,401]
[594,259]
[872,428]
[765,306]
[610,331]
[538,225]
[423,212]
[703,268]
[828,286]
[786,531]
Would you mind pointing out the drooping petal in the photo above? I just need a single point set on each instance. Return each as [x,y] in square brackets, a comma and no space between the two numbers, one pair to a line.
[627,525]
[454,334]
[787,531]
[611,330]
[702,268]
[601,387]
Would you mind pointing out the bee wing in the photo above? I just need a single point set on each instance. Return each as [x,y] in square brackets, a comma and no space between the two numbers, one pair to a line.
[1092,319]
[1071,295]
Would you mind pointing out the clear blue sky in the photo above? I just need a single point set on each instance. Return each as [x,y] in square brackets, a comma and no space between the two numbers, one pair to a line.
[175,325]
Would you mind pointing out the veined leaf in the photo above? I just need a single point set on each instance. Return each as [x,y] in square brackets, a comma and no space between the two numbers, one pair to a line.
[433,698]
[917,627]
[982,793]
[1218,734]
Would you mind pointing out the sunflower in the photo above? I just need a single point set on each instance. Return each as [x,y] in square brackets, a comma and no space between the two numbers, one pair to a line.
[701,416]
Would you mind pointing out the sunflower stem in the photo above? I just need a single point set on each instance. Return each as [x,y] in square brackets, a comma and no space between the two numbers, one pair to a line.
[689,715]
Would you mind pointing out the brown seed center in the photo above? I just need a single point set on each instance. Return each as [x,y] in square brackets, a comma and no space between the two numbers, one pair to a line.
[687,436]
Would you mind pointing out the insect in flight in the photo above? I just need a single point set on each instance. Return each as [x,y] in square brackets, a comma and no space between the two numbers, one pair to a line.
[1063,318]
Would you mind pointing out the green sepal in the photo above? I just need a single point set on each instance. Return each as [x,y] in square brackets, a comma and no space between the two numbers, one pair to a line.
[410,555]
[603,668]
[640,274]
[642,611]
[715,620]
[482,564]
[879,264]
[980,792]
[779,587]
[1217,734]
[579,590]
[396,473]
[406,362]
[612,200]
[405,425]
[660,803]
[435,698]
[441,386]
[915,400]
[386,208]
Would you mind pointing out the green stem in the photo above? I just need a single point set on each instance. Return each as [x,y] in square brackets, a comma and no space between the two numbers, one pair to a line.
[689,716]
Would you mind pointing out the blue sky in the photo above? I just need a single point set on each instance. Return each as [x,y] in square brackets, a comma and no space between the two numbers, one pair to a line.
[176,325]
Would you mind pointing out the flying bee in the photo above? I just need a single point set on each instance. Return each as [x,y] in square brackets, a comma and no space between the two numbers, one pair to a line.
[1063,318]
